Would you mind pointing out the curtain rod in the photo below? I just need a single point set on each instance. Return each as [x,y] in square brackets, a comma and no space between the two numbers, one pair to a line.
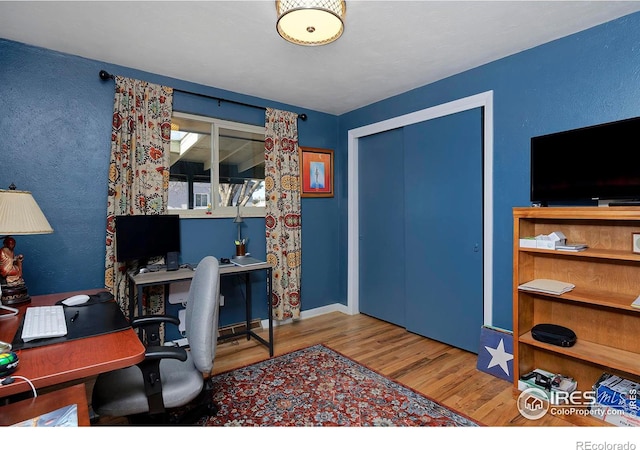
[104,75]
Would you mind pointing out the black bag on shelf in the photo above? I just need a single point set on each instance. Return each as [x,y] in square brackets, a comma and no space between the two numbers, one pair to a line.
[554,334]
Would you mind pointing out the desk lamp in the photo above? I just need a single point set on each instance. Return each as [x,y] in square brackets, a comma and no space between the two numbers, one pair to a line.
[19,214]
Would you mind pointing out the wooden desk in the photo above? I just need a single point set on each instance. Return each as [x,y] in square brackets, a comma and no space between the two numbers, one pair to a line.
[72,360]
[164,277]
[42,404]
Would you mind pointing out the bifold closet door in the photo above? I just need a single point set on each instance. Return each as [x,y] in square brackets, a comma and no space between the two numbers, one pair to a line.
[443,228]
[381,226]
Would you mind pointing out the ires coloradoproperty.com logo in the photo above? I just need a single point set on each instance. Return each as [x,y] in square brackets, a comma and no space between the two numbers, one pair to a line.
[534,403]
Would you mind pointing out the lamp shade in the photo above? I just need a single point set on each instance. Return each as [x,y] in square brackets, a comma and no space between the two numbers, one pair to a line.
[310,22]
[238,218]
[20,214]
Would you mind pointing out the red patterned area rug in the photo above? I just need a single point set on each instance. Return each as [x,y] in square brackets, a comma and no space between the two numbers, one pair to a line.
[317,386]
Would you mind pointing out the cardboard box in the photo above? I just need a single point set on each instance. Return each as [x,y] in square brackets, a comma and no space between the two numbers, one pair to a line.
[614,416]
[558,237]
[528,242]
[620,393]
[550,241]
[531,382]
[545,243]
[567,385]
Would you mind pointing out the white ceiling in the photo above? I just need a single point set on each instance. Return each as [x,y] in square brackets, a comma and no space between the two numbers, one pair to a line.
[388,47]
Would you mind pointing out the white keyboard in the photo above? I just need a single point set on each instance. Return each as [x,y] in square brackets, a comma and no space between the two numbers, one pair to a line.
[44,322]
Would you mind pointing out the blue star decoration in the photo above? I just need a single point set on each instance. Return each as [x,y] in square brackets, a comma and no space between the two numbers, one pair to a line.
[496,353]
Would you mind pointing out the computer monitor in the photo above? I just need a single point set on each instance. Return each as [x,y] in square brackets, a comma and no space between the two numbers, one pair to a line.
[145,237]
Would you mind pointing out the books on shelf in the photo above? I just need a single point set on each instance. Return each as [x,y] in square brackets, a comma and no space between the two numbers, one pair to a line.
[547,286]
[554,241]
[572,247]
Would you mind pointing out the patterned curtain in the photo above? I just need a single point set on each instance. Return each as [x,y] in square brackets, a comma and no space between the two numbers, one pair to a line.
[138,170]
[283,215]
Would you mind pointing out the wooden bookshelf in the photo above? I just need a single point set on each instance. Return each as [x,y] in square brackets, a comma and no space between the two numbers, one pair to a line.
[598,309]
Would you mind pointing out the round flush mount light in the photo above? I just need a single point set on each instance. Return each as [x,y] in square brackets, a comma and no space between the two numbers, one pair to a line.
[310,22]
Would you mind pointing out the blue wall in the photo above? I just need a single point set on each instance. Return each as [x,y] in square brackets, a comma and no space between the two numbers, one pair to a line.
[56,119]
[584,79]
[56,133]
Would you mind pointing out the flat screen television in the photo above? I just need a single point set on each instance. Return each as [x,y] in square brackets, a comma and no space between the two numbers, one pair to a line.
[600,162]
[145,237]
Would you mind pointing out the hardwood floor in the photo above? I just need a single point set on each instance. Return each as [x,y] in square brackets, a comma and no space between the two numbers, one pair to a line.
[441,372]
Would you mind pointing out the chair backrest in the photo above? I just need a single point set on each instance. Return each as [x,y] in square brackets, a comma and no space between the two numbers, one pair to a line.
[201,317]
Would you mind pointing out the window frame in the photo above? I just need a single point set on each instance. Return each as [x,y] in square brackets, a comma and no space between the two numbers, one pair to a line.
[219,211]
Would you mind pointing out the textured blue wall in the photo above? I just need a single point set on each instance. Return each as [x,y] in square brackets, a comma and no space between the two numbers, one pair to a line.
[56,118]
[56,128]
[584,79]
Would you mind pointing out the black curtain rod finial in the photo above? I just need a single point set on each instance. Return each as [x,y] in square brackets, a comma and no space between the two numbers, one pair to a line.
[302,117]
[104,75]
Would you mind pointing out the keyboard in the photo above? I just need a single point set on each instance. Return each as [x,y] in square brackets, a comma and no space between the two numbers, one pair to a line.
[44,322]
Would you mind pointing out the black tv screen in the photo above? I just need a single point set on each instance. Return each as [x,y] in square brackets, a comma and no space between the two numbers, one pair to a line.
[600,162]
[144,237]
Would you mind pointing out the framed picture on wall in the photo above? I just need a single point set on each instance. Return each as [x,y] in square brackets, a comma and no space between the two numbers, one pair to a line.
[316,167]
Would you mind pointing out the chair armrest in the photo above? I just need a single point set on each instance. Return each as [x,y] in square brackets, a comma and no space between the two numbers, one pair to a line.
[143,321]
[164,351]
[151,326]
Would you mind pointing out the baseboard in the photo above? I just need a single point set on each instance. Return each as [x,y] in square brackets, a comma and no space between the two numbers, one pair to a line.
[264,324]
[309,313]
[238,327]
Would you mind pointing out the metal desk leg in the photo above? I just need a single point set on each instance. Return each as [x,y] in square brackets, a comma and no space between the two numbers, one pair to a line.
[248,331]
[247,281]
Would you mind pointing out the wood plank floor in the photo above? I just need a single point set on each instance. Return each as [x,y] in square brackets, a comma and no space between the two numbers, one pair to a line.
[441,372]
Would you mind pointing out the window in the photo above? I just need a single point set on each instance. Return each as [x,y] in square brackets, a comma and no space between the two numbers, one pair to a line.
[201,200]
[216,167]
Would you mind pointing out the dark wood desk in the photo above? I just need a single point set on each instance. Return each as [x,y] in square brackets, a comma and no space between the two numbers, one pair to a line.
[72,360]
[42,404]
[163,277]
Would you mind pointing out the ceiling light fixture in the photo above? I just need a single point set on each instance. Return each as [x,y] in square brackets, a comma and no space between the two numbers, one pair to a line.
[310,22]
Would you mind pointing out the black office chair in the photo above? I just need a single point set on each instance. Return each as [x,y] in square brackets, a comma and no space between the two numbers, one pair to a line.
[169,378]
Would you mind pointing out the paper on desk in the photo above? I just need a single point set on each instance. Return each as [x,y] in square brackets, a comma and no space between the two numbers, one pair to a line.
[547,286]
